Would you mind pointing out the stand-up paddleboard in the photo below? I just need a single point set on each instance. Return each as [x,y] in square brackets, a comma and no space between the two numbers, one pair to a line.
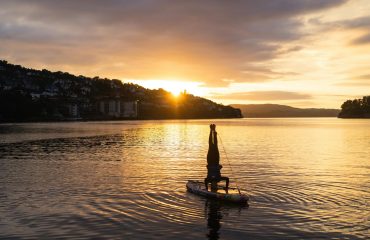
[232,195]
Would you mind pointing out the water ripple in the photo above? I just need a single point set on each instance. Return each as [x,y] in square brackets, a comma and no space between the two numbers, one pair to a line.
[129,182]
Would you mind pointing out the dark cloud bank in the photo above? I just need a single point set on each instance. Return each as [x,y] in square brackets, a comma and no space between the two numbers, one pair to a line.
[202,40]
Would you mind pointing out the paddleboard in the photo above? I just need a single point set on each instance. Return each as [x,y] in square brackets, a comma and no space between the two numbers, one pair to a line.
[232,195]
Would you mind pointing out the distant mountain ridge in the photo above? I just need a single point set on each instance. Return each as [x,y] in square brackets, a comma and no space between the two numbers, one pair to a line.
[276,110]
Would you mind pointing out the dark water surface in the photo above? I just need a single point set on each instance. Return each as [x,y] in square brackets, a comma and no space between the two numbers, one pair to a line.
[307,178]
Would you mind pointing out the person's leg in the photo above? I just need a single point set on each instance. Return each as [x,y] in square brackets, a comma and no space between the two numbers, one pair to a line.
[206,181]
[227,181]
[227,185]
[214,187]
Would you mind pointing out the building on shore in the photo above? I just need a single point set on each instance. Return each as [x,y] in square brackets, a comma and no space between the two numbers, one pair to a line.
[117,108]
[73,110]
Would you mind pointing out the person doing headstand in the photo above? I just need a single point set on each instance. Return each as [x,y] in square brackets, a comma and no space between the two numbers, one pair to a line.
[213,162]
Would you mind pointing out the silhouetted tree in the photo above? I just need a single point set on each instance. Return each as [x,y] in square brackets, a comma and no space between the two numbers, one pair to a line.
[357,108]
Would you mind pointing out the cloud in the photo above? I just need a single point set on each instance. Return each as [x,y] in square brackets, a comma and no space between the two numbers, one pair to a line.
[365,39]
[362,22]
[360,80]
[195,40]
[264,96]
[259,73]
[363,77]
[359,23]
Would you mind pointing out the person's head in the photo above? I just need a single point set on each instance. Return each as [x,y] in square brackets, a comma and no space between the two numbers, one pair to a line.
[213,127]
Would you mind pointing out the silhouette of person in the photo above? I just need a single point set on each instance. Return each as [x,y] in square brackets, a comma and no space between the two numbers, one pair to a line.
[213,162]
[213,219]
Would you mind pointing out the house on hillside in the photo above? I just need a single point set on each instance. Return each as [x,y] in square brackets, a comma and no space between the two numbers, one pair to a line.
[73,110]
[129,109]
[117,108]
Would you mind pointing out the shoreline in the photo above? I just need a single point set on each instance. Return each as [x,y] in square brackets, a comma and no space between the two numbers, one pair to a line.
[157,119]
[113,120]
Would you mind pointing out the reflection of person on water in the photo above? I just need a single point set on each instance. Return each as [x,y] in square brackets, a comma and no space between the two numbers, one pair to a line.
[213,161]
[213,219]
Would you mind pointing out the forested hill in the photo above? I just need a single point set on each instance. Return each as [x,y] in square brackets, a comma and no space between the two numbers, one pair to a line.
[275,110]
[357,108]
[41,95]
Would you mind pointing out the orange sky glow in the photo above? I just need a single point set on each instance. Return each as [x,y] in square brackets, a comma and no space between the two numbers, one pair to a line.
[300,53]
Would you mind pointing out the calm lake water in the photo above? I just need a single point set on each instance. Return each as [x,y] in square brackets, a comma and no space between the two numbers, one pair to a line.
[307,178]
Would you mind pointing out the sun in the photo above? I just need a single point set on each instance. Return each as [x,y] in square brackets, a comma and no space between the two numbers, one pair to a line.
[175,91]
[175,87]
[172,86]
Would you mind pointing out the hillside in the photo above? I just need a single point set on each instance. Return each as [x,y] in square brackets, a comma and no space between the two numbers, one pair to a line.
[275,110]
[41,95]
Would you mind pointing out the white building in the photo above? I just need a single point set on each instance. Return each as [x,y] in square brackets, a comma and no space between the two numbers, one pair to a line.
[129,109]
[73,110]
[119,109]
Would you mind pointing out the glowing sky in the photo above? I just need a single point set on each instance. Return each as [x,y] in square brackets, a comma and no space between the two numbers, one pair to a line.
[297,52]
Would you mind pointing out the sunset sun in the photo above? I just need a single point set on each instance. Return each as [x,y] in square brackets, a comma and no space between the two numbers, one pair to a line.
[175,87]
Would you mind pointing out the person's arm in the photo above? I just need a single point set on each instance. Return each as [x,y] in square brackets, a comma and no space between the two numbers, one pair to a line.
[212,135]
[215,137]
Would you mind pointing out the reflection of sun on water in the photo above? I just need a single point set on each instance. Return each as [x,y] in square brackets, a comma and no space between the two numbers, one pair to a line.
[173,86]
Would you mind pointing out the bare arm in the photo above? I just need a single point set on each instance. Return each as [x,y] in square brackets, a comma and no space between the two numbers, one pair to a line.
[212,135]
[210,138]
